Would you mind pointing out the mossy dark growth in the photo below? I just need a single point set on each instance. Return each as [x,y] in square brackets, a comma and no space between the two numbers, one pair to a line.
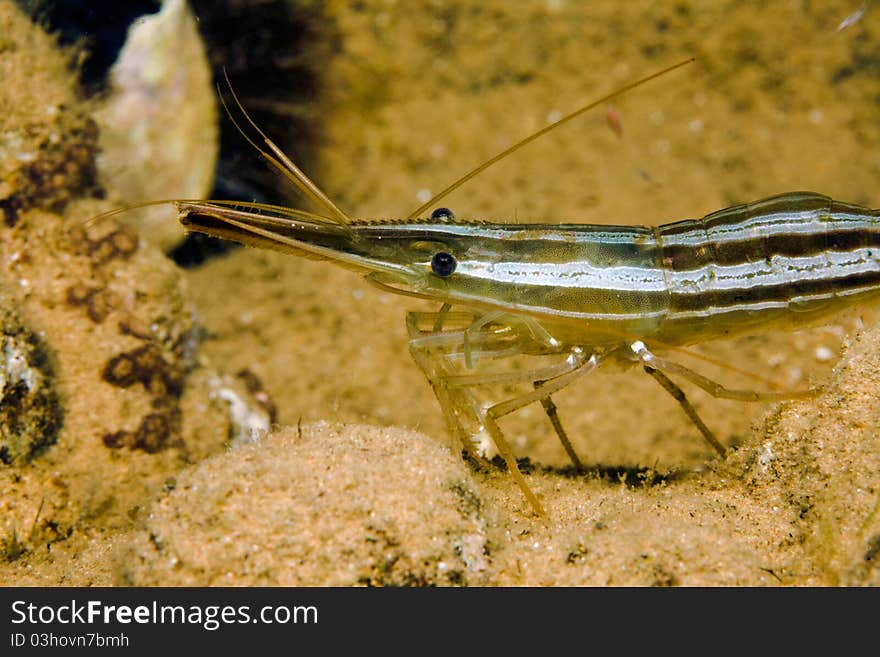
[30,411]
[146,365]
[105,241]
[156,432]
[61,166]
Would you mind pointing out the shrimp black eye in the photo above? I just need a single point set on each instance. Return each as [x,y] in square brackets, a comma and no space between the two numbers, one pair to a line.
[442,214]
[443,264]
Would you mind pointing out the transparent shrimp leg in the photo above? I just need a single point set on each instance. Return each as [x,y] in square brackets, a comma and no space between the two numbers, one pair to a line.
[553,415]
[714,388]
[539,334]
[537,377]
[575,365]
[658,367]
[472,333]
[678,395]
[491,415]
[435,353]
[434,369]
[475,330]
[452,389]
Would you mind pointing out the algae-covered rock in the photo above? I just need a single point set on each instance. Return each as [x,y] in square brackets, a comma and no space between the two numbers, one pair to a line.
[47,139]
[30,411]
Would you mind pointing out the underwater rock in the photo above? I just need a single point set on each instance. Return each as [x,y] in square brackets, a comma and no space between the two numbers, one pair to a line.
[30,411]
[322,504]
[158,127]
[47,140]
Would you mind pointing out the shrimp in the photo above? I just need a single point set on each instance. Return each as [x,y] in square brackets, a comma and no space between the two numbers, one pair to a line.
[579,295]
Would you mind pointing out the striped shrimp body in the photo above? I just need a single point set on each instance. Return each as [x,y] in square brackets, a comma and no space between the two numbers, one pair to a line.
[784,261]
[581,294]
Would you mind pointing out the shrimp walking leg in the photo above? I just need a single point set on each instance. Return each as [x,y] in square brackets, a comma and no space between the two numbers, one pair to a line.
[714,388]
[553,415]
[438,352]
[678,394]
[658,368]
[435,371]
[491,415]
[538,377]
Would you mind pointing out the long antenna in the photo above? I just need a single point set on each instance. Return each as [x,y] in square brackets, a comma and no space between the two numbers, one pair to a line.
[281,162]
[568,117]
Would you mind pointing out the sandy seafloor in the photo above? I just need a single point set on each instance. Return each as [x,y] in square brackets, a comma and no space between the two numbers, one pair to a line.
[148,482]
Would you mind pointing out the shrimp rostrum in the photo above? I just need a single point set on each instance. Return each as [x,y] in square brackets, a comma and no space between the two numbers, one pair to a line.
[580,295]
